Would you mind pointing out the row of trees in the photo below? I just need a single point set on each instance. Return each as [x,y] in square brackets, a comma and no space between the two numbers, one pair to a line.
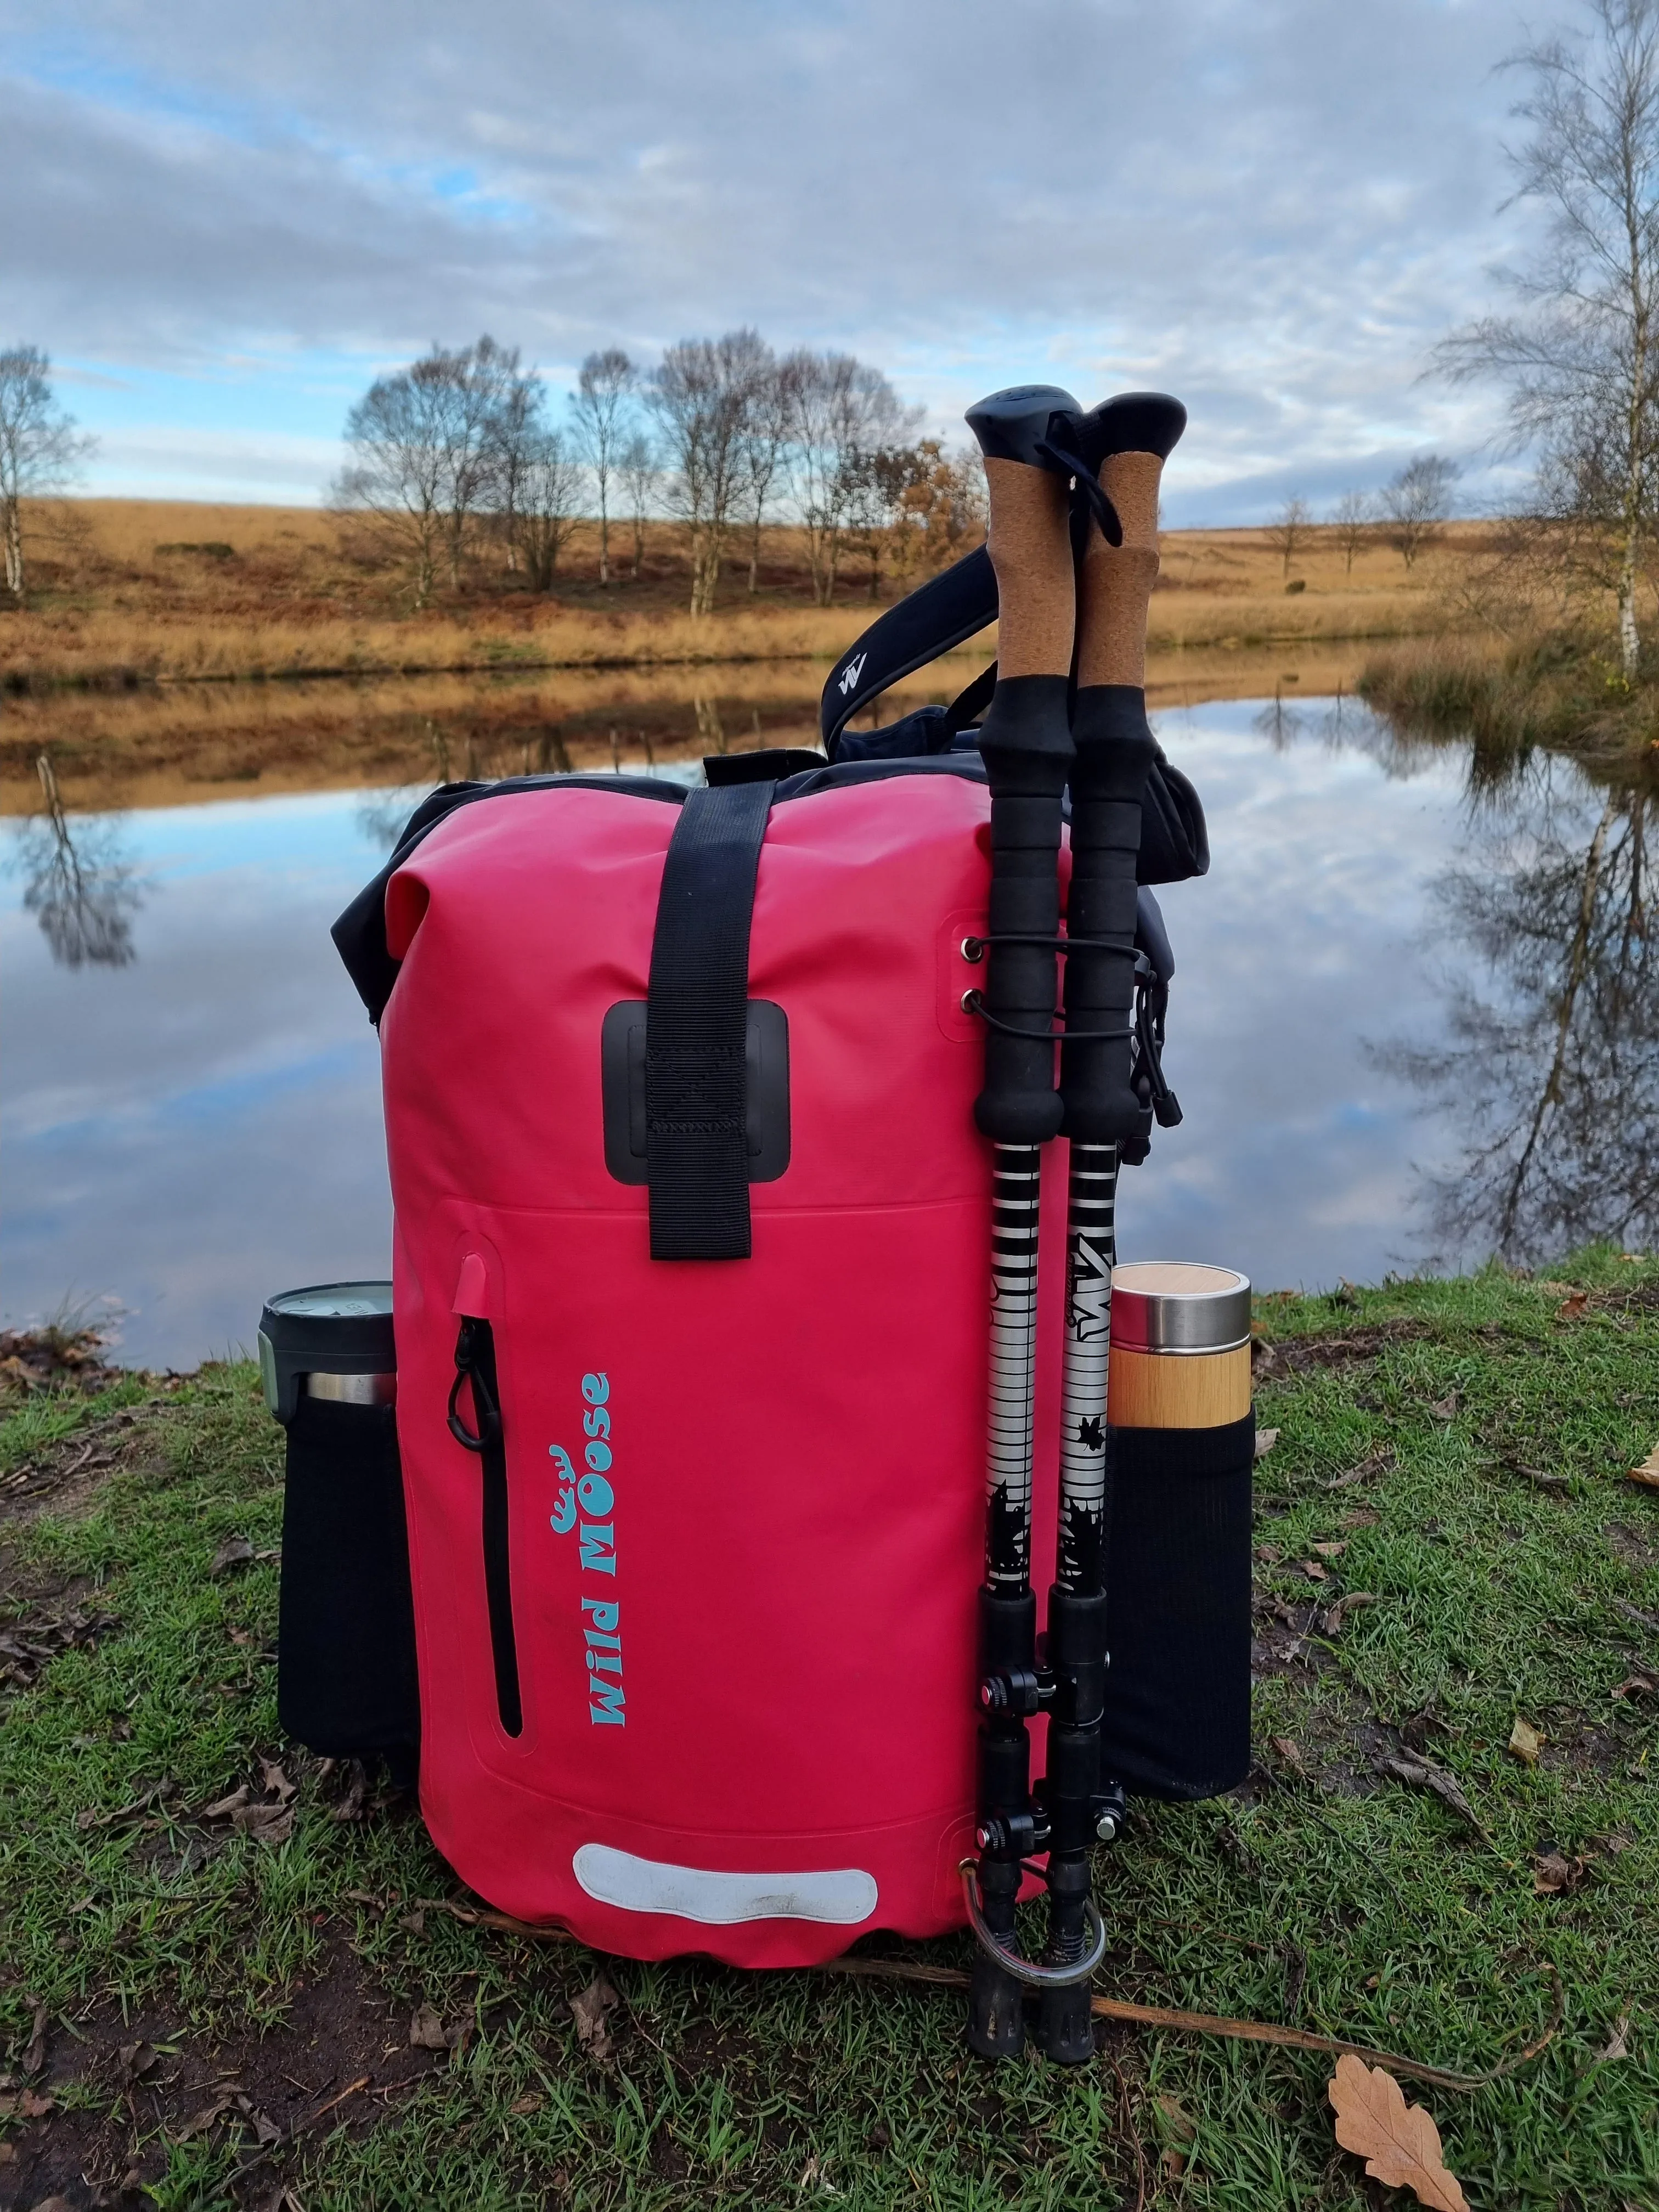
[1405,515]
[465,446]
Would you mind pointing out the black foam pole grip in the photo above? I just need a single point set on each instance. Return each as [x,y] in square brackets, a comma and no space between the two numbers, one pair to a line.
[1115,755]
[1026,746]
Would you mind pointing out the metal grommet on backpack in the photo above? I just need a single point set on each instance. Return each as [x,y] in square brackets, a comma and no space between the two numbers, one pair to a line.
[345,1645]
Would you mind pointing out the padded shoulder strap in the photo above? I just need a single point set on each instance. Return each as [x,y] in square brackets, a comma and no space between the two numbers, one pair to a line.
[937,616]
[696,1027]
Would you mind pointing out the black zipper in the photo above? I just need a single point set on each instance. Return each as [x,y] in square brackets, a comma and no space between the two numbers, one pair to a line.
[475,1362]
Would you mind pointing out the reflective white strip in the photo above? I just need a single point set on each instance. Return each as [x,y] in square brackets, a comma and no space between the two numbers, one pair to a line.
[842,1894]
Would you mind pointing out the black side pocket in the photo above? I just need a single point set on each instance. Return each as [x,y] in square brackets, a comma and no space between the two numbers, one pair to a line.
[475,1362]
[1177,1722]
[345,1639]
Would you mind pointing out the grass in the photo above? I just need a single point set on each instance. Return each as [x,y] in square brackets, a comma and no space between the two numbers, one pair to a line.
[132,590]
[1467,1441]
[1553,690]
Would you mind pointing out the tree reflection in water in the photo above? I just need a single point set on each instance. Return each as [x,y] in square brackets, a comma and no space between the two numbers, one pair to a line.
[77,884]
[1550,1061]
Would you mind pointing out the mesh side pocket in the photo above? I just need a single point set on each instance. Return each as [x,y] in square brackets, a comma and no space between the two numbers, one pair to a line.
[1177,1722]
[345,1638]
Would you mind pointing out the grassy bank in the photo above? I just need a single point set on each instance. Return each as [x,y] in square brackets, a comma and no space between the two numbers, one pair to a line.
[1557,691]
[206,1997]
[129,590]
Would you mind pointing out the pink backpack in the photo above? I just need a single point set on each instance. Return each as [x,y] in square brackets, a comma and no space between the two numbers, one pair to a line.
[690,1396]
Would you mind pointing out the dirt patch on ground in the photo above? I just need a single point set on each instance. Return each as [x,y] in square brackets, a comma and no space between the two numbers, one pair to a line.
[118,2092]
[1274,1358]
[65,1477]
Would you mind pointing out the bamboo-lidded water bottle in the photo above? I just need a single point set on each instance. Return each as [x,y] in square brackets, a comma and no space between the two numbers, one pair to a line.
[1181,1345]
[1183,1441]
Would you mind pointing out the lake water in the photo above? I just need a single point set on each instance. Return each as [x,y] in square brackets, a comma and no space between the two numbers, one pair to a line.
[1383,984]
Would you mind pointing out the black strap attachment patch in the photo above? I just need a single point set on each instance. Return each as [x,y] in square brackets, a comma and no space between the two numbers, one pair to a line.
[697,1025]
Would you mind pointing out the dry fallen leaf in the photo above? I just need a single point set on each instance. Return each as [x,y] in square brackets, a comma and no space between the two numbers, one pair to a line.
[1646,1475]
[1269,1553]
[1399,2143]
[1637,1686]
[1617,2045]
[1313,1571]
[1179,2121]
[1445,1409]
[1424,1774]
[427,2031]
[1265,1441]
[199,2122]
[530,2103]
[1552,1873]
[234,1551]
[1291,1753]
[132,2062]
[588,2008]
[1571,1306]
[1332,1549]
[1525,1743]
[275,1781]
[24,2104]
[35,2057]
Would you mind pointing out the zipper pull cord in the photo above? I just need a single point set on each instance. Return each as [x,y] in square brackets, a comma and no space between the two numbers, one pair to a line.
[485,1410]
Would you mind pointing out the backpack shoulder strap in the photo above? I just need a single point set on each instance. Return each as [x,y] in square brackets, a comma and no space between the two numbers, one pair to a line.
[936,617]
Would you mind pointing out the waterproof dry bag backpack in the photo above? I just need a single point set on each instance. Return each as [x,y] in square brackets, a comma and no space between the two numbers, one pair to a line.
[693,1233]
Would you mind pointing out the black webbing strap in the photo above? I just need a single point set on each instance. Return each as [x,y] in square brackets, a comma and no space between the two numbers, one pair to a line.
[696,1020]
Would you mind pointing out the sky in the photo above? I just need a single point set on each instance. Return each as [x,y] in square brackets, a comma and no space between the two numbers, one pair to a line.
[222,222]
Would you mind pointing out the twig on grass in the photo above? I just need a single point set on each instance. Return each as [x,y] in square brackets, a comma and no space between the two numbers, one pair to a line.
[1204,2023]
[1119,2008]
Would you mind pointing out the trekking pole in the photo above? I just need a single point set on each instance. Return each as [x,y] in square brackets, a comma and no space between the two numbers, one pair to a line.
[1127,441]
[1026,746]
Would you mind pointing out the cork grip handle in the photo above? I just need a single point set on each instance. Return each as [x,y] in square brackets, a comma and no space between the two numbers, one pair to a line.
[1030,549]
[1115,584]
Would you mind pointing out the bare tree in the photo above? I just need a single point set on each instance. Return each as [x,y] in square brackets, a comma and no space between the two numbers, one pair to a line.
[1549,1064]
[702,395]
[765,435]
[839,412]
[599,408]
[636,465]
[1294,523]
[1581,356]
[1351,518]
[78,883]
[535,481]
[40,446]
[1416,502]
[423,444]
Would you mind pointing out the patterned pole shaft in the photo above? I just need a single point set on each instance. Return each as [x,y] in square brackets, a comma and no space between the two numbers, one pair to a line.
[1090,1250]
[1016,1191]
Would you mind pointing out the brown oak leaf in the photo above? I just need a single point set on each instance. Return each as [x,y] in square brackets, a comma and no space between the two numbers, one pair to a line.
[1265,1441]
[1552,1873]
[234,1551]
[1399,2143]
[1647,1475]
[427,2031]
[588,2008]
[1572,1305]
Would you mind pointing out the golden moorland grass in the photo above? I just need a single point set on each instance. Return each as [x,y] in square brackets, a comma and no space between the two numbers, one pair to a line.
[168,591]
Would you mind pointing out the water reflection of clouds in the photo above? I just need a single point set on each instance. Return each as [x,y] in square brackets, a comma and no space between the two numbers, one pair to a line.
[200,1128]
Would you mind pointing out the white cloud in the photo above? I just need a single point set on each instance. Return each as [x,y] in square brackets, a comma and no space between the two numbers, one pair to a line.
[1272,206]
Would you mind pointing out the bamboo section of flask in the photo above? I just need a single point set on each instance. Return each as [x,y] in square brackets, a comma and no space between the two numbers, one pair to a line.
[1181,1345]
